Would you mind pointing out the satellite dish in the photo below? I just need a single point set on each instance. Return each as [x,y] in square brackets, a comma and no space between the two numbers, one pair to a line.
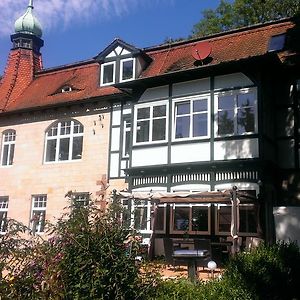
[201,50]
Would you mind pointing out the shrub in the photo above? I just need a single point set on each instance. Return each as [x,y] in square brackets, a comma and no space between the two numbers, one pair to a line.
[219,289]
[268,272]
[90,255]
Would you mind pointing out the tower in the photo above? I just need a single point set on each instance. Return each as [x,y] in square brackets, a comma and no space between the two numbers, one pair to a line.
[24,58]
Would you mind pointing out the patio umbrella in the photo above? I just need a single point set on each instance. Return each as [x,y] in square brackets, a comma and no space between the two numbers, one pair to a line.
[235,220]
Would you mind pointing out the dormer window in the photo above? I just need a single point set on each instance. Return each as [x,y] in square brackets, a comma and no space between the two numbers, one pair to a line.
[120,62]
[66,89]
[108,71]
[127,69]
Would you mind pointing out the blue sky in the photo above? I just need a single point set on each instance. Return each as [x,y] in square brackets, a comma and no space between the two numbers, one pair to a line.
[75,30]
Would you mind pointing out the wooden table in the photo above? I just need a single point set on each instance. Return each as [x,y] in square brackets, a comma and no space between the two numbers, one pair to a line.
[190,256]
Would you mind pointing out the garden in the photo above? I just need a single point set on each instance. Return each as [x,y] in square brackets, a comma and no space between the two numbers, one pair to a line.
[90,254]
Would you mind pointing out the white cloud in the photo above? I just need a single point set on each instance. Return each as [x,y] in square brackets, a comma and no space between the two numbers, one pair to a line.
[65,12]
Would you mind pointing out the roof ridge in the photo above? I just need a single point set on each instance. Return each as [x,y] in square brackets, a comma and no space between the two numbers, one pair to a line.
[82,63]
[219,35]
[66,68]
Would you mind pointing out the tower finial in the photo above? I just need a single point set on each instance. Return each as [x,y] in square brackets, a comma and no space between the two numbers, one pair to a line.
[28,23]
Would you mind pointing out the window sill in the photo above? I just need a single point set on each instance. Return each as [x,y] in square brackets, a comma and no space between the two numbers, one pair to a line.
[107,84]
[156,143]
[62,162]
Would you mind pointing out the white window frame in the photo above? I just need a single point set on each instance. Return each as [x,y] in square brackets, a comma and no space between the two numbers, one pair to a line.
[148,207]
[81,198]
[191,99]
[151,106]
[3,210]
[37,225]
[121,69]
[58,137]
[235,93]
[143,203]
[190,206]
[10,144]
[102,73]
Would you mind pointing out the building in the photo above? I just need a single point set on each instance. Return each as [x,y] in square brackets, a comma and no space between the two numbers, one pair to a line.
[175,124]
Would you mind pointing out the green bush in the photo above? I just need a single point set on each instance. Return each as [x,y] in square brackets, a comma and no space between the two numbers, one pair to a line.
[219,289]
[268,272]
[90,255]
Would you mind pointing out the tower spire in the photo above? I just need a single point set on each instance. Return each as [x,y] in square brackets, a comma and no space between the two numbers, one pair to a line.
[28,23]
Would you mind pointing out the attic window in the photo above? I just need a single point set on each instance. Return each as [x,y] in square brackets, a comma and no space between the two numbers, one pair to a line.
[66,89]
[127,69]
[276,43]
[108,73]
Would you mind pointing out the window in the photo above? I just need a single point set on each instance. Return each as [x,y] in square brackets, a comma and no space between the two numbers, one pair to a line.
[126,212]
[126,136]
[151,123]
[80,199]
[160,221]
[127,69]
[64,141]
[236,112]
[138,214]
[191,118]
[141,212]
[194,219]
[248,219]
[66,89]
[8,147]
[3,213]
[108,73]
[38,213]
[276,42]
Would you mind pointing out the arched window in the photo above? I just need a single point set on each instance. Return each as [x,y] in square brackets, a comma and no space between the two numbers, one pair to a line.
[64,141]
[8,147]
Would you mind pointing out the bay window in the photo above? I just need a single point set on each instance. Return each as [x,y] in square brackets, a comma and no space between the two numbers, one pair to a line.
[8,147]
[236,112]
[191,117]
[64,141]
[151,123]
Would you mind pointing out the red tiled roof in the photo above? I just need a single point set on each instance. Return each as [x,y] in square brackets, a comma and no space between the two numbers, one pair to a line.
[226,47]
[83,78]
[45,89]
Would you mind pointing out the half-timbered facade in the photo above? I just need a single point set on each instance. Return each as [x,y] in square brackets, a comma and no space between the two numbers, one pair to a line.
[198,124]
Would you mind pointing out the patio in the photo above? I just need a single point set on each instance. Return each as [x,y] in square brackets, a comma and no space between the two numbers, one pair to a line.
[168,272]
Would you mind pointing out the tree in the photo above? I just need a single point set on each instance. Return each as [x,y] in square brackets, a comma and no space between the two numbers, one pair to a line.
[240,13]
